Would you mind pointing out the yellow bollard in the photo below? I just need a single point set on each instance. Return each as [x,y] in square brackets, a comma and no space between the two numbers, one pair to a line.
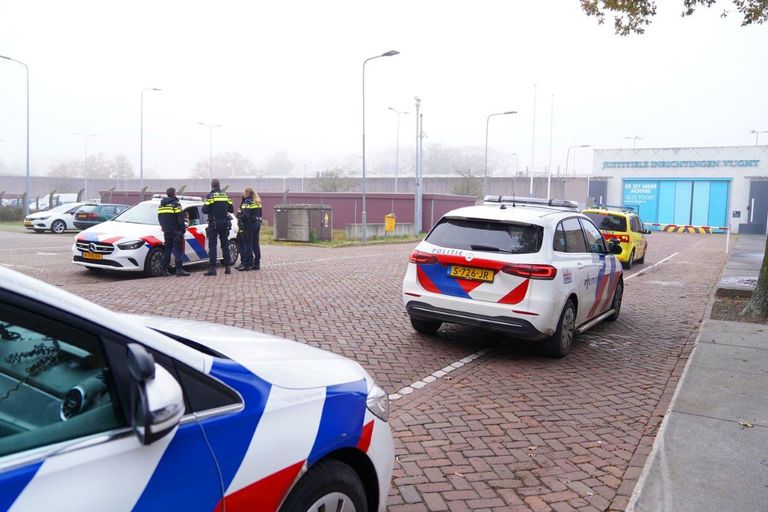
[389,223]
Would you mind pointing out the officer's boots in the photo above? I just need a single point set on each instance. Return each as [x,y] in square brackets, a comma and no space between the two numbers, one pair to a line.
[210,272]
[180,272]
[227,269]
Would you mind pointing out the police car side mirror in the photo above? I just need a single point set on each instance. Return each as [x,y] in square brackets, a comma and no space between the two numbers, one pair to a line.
[614,247]
[157,403]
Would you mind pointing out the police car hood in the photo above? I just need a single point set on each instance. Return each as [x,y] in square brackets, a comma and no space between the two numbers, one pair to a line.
[114,229]
[282,362]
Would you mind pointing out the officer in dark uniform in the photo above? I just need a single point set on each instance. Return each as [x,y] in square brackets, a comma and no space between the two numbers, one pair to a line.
[250,214]
[171,220]
[218,206]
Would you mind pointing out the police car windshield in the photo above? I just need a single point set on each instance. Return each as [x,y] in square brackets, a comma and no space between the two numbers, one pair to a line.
[487,235]
[144,213]
[607,221]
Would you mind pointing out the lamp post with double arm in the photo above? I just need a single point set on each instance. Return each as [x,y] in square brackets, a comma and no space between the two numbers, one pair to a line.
[487,122]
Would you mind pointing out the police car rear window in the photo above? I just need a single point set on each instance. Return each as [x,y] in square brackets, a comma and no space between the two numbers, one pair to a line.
[486,235]
[608,222]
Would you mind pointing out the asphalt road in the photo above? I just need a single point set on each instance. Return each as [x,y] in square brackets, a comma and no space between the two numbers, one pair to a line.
[482,422]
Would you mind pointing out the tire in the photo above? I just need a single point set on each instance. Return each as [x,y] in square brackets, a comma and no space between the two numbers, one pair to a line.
[560,343]
[616,302]
[328,485]
[428,327]
[58,226]
[153,263]
[630,261]
[234,252]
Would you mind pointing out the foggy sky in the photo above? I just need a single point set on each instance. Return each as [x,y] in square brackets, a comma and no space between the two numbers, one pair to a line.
[286,76]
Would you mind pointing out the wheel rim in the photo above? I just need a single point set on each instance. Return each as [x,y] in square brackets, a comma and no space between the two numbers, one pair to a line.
[618,297]
[156,263]
[58,227]
[234,253]
[566,333]
[333,502]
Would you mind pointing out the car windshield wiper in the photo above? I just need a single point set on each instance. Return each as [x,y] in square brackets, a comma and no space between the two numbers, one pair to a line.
[475,247]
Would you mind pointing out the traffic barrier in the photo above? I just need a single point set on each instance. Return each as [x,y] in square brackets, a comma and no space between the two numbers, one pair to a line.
[704,230]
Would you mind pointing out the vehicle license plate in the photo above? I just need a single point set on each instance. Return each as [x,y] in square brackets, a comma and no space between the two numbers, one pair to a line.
[475,274]
[92,256]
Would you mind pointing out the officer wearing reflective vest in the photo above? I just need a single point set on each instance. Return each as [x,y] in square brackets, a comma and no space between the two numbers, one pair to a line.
[171,220]
[218,206]
[250,216]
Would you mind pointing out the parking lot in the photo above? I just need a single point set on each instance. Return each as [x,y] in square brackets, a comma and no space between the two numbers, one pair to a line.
[481,422]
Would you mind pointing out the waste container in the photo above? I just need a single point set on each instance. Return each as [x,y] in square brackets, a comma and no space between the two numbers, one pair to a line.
[389,223]
[303,222]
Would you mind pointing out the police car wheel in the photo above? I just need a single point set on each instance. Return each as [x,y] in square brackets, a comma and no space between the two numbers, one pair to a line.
[58,226]
[328,485]
[560,343]
[234,253]
[153,264]
[616,303]
[426,326]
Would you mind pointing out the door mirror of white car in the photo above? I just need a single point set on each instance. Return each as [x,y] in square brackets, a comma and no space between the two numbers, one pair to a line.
[614,247]
[157,403]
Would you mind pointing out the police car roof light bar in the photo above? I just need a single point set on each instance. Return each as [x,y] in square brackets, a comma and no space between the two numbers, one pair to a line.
[539,201]
[185,198]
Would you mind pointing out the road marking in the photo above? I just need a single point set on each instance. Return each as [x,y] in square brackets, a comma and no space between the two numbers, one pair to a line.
[18,266]
[654,265]
[62,247]
[48,253]
[407,390]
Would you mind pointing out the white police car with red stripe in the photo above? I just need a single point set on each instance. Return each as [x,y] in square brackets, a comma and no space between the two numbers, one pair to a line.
[103,411]
[532,268]
[133,241]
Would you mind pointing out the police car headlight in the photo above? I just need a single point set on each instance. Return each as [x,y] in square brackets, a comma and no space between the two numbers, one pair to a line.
[378,402]
[131,245]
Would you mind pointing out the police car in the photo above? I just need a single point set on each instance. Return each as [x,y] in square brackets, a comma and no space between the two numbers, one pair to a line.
[99,412]
[133,241]
[532,268]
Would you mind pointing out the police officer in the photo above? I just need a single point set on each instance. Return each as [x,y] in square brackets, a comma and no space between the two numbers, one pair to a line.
[171,220]
[250,214]
[218,206]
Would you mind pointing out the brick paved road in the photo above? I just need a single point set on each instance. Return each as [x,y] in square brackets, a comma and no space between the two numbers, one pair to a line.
[510,430]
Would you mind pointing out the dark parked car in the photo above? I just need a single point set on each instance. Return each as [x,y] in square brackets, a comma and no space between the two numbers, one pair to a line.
[93,214]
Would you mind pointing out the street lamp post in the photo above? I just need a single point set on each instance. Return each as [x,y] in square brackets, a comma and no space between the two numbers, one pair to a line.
[210,146]
[390,53]
[567,158]
[141,138]
[757,135]
[487,122]
[26,182]
[85,163]
[397,145]
[634,141]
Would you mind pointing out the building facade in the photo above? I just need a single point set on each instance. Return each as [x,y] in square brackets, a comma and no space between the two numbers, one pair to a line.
[716,186]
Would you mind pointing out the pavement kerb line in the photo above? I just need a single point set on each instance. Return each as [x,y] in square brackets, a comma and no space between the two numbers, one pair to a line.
[438,374]
[654,265]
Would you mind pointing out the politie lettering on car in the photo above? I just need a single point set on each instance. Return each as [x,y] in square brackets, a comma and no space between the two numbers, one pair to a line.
[532,268]
[103,411]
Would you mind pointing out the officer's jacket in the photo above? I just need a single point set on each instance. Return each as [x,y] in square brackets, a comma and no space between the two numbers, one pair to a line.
[250,211]
[169,215]
[216,205]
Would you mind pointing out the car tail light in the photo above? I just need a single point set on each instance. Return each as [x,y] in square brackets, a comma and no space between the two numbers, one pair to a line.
[422,258]
[621,238]
[547,272]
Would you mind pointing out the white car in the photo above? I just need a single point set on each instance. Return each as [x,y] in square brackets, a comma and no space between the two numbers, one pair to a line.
[99,412]
[56,220]
[133,241]
[532,268]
